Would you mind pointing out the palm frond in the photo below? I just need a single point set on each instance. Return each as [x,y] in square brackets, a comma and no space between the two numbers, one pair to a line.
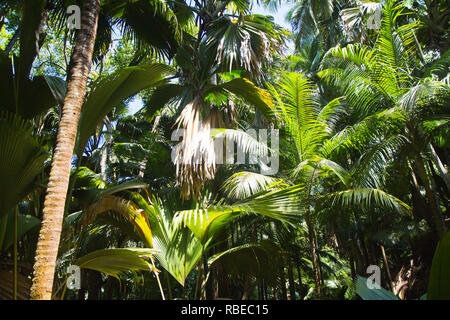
[367,293]
[244,184]
[249,92]
[179,250]
[247,143]
[25,223]
[438,285]
[280,204]
[369,169]
[111,91]
[364,199]
[117,261]
[297,106]
[22,158]
[195,157]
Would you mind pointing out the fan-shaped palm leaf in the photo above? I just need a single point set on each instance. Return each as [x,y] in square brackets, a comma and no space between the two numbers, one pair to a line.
[364,199]
[21,160]
[111,91]
[438,284]
[244,184]
[280,204]
[245,43]
[115,262]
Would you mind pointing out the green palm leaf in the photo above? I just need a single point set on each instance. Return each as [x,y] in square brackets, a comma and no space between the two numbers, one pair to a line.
[21,160]
[127,209]
[179,250]
[244,184]
[25,223]
[115,262]
[372,294]
[249,92]
[364,199]
[439,281]
[244,43]
[280,204]
[111,91]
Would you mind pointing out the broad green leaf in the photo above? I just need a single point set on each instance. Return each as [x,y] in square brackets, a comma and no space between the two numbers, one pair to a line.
[248,91]
[280,204]
[58,87]
[179,250]
[439,281]
[115,262]
[372,294]
[111,91]
[21,160]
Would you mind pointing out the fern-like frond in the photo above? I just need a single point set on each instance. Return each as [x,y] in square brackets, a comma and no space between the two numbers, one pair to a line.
[244,184]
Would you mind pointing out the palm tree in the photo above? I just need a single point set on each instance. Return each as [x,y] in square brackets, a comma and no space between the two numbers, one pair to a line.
[47,247]
[394,104]
[311,139]
[25,99]
[225,57]
[350,167]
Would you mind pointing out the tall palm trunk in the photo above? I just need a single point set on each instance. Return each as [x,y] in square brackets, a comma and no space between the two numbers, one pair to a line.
[312,237]
[290,277]
[53,212]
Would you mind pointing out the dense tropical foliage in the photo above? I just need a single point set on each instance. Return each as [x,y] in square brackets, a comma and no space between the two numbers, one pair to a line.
[349,105]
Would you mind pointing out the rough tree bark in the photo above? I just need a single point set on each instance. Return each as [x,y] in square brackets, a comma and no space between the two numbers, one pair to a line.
[53,212]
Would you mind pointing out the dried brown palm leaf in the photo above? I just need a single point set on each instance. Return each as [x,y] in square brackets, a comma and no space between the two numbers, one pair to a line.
[195,157]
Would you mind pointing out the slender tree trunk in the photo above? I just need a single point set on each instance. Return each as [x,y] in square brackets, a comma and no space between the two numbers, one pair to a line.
[16,214]
[265,291]
[247,287]
[360,264]
[360,235]
[352,266]
[169,284]
[283,283]
[311,238]
[319,262]
[222,290]
[418,202]
[388,271]
[300,283]
[105,151]
[208,281]
[291,278]
[312,247]
[53,212]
